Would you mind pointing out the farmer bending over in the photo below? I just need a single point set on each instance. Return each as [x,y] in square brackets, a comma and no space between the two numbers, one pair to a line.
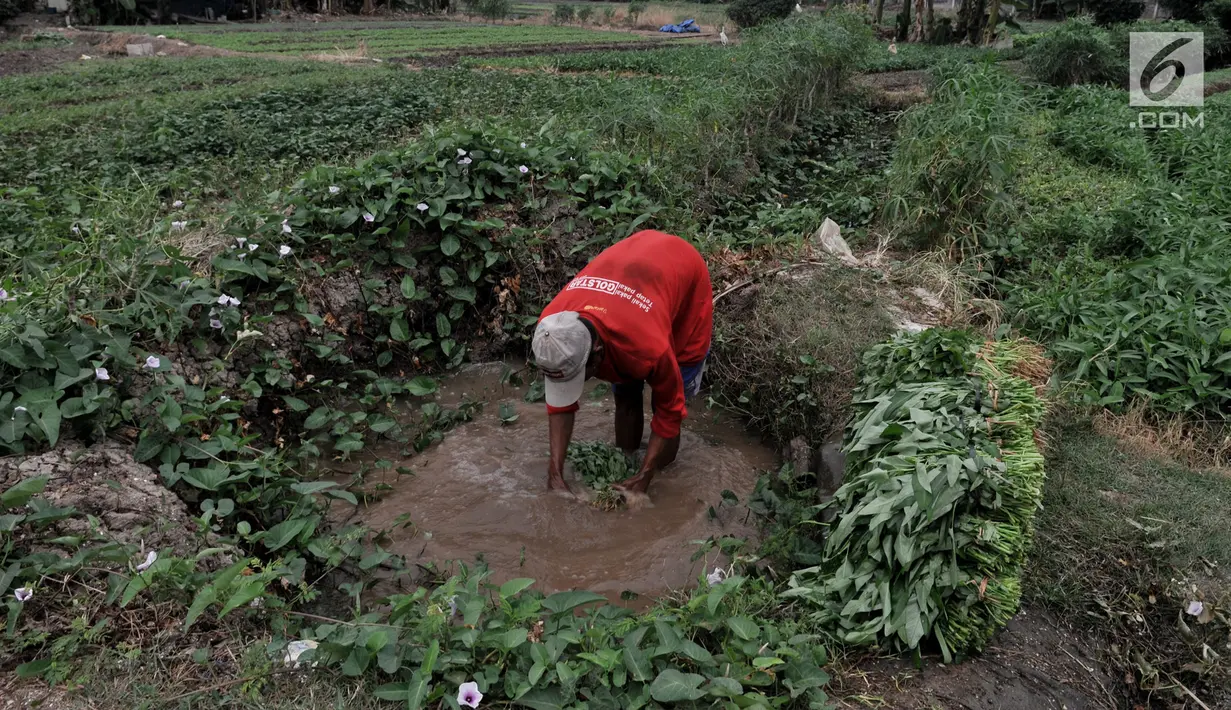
[641,312]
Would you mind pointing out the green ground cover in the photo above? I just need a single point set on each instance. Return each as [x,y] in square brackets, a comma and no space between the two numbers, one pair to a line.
[400,41]
[1106,243]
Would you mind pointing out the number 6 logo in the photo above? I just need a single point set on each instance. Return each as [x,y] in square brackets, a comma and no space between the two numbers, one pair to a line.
[1160,63]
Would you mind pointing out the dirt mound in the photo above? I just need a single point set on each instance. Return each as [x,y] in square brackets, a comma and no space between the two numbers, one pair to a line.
[104,481]
[1034,664]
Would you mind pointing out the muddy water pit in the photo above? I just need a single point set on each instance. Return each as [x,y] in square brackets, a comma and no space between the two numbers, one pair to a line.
[482,494]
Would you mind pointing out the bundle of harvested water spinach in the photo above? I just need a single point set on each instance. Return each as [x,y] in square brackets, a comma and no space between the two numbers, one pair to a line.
[600,466]
[943,478]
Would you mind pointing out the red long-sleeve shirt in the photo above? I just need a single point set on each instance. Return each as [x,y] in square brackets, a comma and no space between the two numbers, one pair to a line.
[650,301]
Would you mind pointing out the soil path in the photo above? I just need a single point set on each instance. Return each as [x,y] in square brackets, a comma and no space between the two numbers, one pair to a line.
[1034,664]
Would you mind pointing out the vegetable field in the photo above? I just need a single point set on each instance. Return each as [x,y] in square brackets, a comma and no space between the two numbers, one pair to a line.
[239,278]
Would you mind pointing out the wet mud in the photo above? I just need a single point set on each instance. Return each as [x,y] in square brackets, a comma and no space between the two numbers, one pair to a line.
[481,494]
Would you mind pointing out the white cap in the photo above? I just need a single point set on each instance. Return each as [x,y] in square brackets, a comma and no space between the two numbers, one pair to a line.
[561,347]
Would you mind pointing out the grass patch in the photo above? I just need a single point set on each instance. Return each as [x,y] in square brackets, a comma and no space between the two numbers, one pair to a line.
[1125,542]
[400,41]
[785,349]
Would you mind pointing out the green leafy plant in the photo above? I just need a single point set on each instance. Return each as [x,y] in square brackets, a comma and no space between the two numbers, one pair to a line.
[563,13]
[943,479]
[750,13]
[600,466]
[1077,52]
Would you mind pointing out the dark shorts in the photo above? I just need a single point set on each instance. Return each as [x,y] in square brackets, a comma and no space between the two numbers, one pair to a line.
[690,373]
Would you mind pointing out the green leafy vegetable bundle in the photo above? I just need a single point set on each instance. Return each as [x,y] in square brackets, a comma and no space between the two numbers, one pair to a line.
[600,465]
[943,478]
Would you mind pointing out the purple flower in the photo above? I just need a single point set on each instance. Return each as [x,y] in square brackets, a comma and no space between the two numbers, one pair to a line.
[225,300]
[23,594]
[523,169]
[286,226]
[468,694]
[464,161]
[153,362]
[284,251]
[100,373]
[422,207]
[1195,608]
[177,204]
[334,189]
[253,246]
[716,576]
[215,324]
[149,560]
[453,606]
[178,226]
[4,296]
[369,217]
[76,229]
[183,283]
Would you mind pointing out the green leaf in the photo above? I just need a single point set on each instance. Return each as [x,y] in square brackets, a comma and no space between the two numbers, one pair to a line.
[512,638]
[422,386]
[721,687]
[514,587]
[281,534]
[408,287]
[552,698]
[639,667]
[200,603]
[462,293]
[443,327]
[672,686]
[392,691]
[562,602]
[33,669]
[242,596]
[318,418]
[744,627]
[312,487]
[21,493]
[296,404]
[450,245]
[399,330]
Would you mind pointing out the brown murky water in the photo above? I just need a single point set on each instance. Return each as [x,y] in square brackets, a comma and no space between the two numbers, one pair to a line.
[482,492]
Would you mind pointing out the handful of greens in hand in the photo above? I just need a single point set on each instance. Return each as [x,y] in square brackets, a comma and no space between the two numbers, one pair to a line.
[601,465]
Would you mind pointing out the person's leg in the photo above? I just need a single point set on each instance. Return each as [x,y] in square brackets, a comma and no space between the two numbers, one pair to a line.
[629,414]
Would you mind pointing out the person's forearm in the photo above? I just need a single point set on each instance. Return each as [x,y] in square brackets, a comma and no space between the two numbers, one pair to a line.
[659,453]
[560,429]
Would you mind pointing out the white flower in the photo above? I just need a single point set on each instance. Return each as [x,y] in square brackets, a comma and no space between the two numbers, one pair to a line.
[286,226]
[149,560]
[464,161]
[253,246]
[215,324]
[523,169]
[334,189]
[76,229]
[284,251]
[460,152]
[716,576]
[100,373]
[19,408]
[178,226]
[369,217]
[468,694]
[224,398]
[153,362]
[23,594]
[177,204]
[225,300]
[1195,608]
[240,240]
[523,144]
[422,207]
